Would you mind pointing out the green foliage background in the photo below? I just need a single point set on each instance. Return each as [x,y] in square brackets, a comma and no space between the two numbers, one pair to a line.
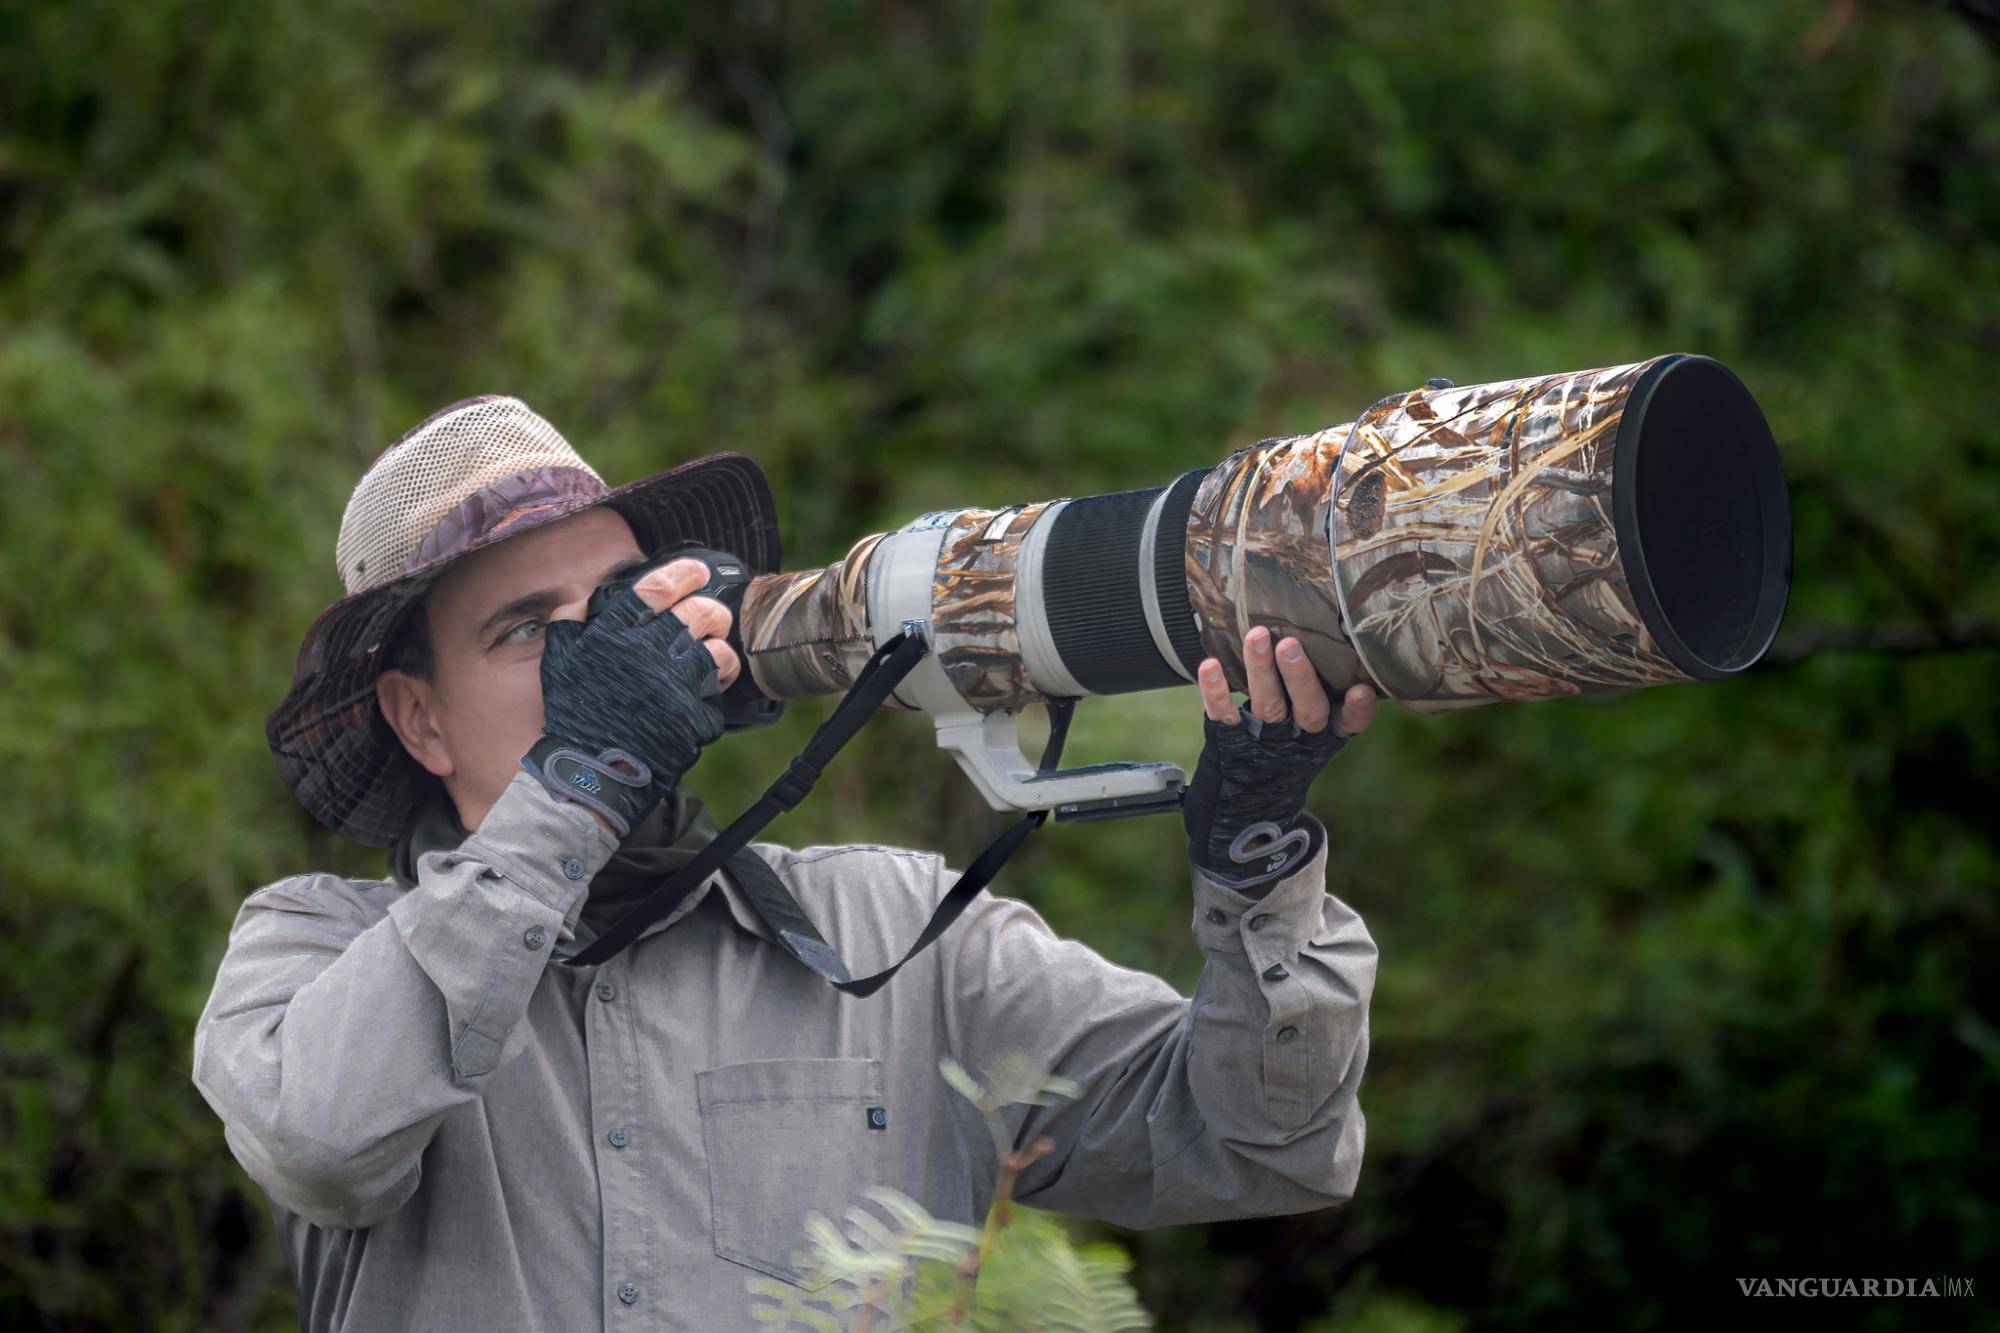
[1675,987]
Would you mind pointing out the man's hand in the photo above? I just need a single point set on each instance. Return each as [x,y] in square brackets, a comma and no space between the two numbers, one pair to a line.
[628,695]
[668,588]
[1271,682]
[1244,810]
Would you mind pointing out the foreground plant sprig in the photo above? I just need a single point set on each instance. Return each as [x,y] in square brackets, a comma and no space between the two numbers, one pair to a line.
[907,1269]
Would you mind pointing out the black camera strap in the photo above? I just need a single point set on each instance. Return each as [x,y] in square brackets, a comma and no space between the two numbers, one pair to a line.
[768,896]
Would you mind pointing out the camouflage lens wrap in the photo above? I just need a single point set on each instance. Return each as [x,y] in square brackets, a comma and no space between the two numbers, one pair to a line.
[1474,548]
[1453,546]
[973,604]
[807,633]
[1257,554]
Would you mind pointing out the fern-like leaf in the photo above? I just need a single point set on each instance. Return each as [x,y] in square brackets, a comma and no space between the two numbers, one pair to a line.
[1017,1079]
[907,1268]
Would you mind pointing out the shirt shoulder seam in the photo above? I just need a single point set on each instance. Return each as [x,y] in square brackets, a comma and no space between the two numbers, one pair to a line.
[319,887]
[814,855]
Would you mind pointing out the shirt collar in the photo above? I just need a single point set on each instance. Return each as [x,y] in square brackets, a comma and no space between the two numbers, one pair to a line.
[741,913]
[731,901]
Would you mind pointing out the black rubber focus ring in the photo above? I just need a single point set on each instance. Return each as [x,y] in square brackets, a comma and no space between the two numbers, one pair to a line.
[1090,592]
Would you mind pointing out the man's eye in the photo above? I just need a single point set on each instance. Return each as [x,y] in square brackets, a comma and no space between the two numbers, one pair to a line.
[514,635]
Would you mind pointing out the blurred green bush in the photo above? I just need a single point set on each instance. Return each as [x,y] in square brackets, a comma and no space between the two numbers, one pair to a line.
[1675,987]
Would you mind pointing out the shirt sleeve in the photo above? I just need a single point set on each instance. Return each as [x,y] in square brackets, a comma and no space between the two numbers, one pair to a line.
[1239,1102]
[337,1036]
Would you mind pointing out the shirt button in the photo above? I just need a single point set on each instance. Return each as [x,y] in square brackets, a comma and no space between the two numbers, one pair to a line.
[535,938]
[1216,916]
[628,1293]
[1287,1033]
[619,1138]
[573,867]
[1276,972]
[606,991]
[878,1116]
[1261,920]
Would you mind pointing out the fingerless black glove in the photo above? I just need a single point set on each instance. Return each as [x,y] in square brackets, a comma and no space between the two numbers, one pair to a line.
[1244,809]
[627,703]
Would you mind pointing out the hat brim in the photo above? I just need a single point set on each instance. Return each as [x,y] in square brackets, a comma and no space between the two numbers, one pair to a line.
[335,750]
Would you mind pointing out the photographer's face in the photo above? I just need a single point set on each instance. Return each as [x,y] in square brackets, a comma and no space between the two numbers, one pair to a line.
[482,711]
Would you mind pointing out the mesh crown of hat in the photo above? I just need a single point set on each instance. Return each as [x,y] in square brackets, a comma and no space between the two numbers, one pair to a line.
[429,472]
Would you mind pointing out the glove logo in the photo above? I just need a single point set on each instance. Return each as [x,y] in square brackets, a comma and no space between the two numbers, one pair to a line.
[587,780]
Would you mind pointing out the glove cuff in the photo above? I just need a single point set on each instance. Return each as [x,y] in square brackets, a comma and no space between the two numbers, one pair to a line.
[614,783]
[1273,854]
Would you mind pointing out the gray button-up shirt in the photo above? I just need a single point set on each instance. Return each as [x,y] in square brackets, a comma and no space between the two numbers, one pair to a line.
[454,1134]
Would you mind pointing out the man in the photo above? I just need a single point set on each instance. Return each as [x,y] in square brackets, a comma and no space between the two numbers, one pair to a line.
[454,1134]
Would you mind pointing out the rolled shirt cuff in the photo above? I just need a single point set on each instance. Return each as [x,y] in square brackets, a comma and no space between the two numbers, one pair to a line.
[550,847]
[1274,916]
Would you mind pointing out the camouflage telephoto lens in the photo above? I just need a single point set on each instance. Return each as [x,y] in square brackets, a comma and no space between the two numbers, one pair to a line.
[1455,546]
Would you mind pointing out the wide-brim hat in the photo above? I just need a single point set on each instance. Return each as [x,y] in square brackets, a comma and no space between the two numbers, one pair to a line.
[478,472]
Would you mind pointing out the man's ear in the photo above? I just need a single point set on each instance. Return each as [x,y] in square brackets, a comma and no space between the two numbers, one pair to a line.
[408,704]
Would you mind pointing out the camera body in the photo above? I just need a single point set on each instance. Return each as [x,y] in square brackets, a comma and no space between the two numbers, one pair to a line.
[743,704]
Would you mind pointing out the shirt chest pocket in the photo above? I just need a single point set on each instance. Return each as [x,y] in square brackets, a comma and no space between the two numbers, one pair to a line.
[786,1139]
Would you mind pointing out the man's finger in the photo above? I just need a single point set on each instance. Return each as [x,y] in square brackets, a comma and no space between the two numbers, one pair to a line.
[1310,706]
[1267,693]
[1214,691]
[704,617]
[727,663]
[662,587]
[1357,709]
